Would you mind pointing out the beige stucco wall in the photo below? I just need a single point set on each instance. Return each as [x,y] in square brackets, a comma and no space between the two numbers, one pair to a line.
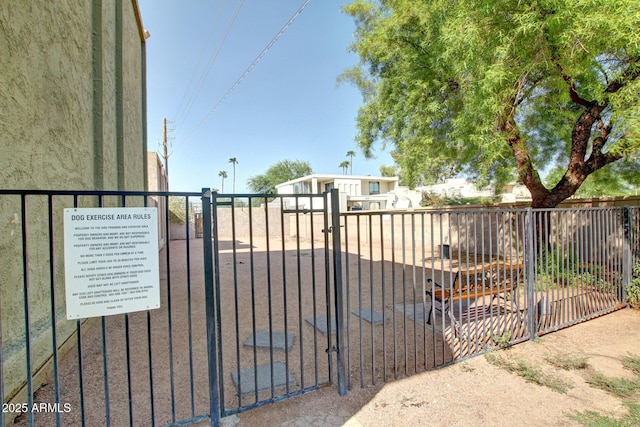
[50,120]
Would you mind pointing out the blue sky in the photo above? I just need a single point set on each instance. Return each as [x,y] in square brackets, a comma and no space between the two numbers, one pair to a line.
[288,107]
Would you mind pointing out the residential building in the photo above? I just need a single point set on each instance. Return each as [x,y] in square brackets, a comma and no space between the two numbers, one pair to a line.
[356,192]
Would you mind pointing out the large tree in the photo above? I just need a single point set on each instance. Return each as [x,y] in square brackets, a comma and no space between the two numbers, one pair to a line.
[284,170]
[500,89]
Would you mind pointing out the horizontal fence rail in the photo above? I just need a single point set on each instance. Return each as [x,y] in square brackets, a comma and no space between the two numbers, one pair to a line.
[142,368]
[426,288]
[265,297]
[271,276]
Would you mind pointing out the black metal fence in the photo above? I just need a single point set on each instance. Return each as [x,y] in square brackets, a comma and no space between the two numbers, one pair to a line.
[143,368]
[271,273]
[283,295]
[426,288]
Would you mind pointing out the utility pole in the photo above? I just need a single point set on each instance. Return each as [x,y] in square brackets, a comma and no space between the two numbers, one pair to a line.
[165,155]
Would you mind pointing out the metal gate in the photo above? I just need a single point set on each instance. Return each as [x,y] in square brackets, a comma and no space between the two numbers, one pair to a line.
[274,304]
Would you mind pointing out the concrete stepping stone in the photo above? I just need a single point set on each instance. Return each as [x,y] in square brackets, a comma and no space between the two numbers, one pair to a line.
[371,316]
[247,382]
[278,339]
[321,324]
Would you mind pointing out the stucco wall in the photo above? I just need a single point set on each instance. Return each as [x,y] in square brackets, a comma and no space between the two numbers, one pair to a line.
[63,126]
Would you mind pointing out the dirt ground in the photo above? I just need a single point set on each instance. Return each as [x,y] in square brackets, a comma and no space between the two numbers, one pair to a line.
[157,361]
[477,393]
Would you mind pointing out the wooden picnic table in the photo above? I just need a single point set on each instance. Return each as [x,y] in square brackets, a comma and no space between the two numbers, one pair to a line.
[497,279]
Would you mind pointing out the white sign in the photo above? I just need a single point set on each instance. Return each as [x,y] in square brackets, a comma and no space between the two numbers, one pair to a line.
[111,261]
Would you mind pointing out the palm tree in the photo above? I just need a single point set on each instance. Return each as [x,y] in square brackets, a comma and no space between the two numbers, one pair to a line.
[351,155]
[224,175]
[345,166]
[234,162]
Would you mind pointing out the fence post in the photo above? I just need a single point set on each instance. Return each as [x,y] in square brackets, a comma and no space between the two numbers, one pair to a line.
[214,399]
[337,283]
[627,258]
[529,261]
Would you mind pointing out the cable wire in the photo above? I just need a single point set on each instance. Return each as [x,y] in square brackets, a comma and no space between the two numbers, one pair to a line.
[212,59]
[248,70]
[216,17]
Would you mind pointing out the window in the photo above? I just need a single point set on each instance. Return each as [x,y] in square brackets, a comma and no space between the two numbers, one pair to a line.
[374,188]
[301,188]
[328,186]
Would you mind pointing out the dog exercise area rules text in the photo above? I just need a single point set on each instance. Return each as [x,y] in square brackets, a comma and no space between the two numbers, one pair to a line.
[111,261]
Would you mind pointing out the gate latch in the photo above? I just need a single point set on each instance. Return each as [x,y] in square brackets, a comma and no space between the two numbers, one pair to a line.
[330,229]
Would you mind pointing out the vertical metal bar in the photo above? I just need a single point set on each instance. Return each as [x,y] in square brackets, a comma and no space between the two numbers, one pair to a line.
[54,320]
[627,260]
[529,261]
[80,367]
[358,225]
[581,250]
[189,323]
[575,263]
[27,315]
[327,285]
[169,321]
[253,301]
[348,291]
[269,292]
[384,313]
[128,352]
[430,317]
[415,314]
[404,293]
[149,350]
[337,278]
[313,293]
[371,302]
[235,299]
[105,367]
[423,263]
[593,255]
[284,292]
[207,240]
[393,296]
[300,315]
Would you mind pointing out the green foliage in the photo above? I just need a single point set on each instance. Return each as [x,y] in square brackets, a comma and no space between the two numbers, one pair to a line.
[568,362]
[633,290]
[530,373]
[474,86]
[388,171]
[278,173]
[561,267]
[619,387]
[594,419]
[503,339]
[177,210]
[632,362]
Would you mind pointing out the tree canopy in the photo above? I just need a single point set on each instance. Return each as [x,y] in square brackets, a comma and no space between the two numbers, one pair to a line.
[499,89]
[284,170]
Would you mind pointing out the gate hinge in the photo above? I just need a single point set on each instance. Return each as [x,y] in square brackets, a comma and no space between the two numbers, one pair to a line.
[331,350]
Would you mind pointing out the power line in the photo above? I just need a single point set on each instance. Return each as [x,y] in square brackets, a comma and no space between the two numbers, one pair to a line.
[248,70]
[212,59]
[217,16]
